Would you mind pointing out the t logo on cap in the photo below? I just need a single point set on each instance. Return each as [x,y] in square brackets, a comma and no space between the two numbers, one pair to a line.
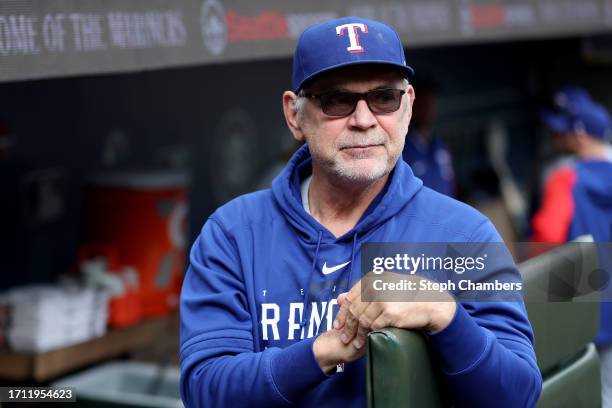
[353,34]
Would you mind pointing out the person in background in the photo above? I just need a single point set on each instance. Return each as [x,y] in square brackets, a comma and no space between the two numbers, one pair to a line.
[426,153]
[577,197]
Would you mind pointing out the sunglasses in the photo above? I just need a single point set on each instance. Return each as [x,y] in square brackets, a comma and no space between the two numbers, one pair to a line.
[382,100]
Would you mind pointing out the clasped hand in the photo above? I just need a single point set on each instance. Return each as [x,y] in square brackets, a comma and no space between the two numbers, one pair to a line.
[356,317]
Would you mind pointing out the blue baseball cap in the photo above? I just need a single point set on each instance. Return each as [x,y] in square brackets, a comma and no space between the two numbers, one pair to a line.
[575,110]
[346,41]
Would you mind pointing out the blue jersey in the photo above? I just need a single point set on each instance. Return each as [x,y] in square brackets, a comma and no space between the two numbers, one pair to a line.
[263,280]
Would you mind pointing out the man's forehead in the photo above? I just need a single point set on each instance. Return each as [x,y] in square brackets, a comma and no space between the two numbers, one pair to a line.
[348,77]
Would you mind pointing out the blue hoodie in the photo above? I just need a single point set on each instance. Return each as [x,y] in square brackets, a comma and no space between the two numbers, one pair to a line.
[246,340]
[592,195]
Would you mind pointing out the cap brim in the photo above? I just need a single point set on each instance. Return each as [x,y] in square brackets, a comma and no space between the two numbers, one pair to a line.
[556,122]
[405,70]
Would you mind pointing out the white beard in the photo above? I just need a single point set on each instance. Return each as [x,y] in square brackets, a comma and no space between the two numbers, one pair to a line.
[353,171]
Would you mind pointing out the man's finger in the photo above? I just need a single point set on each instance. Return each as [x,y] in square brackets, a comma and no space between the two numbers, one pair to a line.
[357,307]
[355,292]
[380,322]
[356,310]
[350,328]
[344,304]
[365,325]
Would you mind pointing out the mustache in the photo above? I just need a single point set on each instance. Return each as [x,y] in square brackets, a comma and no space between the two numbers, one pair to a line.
[360,141]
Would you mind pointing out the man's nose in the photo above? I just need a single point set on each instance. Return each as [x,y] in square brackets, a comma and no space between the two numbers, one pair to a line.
[362,117]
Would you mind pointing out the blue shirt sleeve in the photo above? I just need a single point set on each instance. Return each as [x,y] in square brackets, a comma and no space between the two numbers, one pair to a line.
[486,353]
[219,363]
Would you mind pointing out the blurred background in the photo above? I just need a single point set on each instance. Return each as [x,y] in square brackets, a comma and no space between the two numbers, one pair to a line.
[123,125]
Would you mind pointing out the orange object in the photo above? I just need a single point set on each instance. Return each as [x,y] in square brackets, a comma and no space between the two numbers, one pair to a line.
[125,310]
[143,214]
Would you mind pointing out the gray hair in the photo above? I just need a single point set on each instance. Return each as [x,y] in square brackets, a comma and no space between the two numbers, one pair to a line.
[300,100]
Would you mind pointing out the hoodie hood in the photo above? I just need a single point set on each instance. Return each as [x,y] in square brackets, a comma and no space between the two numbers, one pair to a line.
[596,177]
[400,189]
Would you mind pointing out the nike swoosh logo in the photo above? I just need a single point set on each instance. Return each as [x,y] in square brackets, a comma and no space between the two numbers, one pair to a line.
[327,271]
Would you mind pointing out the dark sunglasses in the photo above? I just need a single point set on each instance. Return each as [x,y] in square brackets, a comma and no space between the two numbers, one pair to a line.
[382,100]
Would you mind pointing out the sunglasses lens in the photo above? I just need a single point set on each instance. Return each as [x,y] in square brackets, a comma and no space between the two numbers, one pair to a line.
[339,103]
[384,100]
[344,103]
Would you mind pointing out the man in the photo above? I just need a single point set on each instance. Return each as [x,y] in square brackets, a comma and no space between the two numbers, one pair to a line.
[577,196]
[268,269]
[428,155]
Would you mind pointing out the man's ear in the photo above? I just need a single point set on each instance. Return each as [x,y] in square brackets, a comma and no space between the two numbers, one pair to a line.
[291,115]
[410,97]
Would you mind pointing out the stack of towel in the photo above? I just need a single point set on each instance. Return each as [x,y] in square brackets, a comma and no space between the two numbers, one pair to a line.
[45,317]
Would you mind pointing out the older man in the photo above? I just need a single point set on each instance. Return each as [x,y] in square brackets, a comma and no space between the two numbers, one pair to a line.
[269,269]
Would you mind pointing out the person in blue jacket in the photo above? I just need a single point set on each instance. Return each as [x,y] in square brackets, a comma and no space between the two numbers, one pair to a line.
[425,152]
[268,317]
[577,197]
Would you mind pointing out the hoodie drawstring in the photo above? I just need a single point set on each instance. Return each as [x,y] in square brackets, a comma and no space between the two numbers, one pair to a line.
[312,275]
[350,277]
[307,303]
[328,308]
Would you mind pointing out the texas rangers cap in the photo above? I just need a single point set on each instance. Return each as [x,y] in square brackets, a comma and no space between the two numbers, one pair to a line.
[575,110]
[346,41]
